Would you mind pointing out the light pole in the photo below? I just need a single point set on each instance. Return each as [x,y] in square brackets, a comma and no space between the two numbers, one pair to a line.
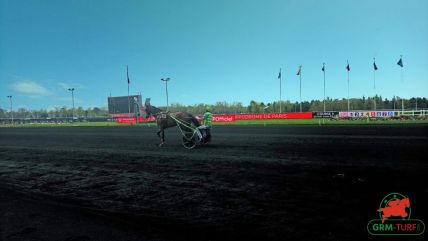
[72,99]
[11,109]
[166,89]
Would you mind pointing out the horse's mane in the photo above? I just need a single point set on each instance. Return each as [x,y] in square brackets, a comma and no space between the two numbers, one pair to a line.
[154,109]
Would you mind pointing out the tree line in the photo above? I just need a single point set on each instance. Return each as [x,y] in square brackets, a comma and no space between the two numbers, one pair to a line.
[307,106]
[57,112]
[223,107]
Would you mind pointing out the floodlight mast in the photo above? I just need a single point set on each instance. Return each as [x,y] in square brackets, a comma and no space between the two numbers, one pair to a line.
[165,80]
[11,108]
[72,100]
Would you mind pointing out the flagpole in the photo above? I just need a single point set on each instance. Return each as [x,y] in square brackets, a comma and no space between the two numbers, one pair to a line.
[323,70]
[374,83]
[401,65]
[348,91]
[374,76]
[374,101]
[401,69]
[348,82]
[300,75]
[129,103]
[280,91]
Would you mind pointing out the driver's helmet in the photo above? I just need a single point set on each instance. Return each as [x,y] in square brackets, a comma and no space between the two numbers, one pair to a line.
[208,109]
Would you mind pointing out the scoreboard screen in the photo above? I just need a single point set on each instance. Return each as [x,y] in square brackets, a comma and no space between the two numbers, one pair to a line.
[119,104]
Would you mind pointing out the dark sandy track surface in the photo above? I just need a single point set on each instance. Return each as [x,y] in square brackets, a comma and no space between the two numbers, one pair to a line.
[252,182]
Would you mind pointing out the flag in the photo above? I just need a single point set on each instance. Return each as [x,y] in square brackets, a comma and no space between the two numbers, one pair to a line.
[374,66]
[323,68]
[400,62]
[348,68]
[298,71]
[279,75]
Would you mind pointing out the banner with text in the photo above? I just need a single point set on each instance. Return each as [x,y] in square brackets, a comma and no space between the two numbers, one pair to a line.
[128,120]
[365,114]
[270,116]
[233,117]
[326,114]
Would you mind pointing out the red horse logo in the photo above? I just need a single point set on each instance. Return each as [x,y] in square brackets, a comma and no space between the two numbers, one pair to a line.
[396,208]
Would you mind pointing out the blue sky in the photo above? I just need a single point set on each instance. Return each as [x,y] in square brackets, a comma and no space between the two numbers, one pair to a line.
[212,50]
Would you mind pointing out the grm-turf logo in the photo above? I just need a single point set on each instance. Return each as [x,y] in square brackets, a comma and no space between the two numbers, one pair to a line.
[394,218]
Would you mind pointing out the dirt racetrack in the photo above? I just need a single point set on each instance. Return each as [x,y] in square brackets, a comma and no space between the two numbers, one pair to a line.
[251,183]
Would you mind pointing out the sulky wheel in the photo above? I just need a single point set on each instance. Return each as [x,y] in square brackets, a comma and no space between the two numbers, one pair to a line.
[188,144]
[207,138]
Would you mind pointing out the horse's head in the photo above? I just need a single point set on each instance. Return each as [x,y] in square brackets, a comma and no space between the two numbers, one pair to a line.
[405,202]
[147,108]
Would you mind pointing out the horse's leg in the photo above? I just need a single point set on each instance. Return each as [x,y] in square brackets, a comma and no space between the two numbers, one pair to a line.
[161,134]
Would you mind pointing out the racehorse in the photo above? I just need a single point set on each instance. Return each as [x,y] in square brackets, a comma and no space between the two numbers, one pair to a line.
[395,208]
[165,119]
